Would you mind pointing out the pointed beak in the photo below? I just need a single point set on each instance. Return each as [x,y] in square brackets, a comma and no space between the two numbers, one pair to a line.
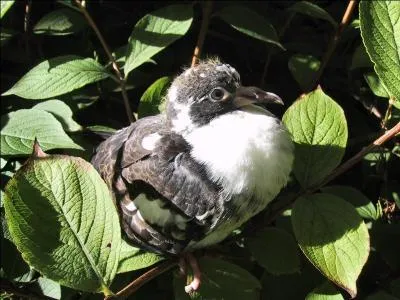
[246,95]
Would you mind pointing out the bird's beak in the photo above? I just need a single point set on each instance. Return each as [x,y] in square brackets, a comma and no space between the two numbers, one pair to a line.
[246,95]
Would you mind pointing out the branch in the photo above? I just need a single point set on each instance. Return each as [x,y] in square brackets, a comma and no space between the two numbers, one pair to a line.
[335,39]
[207,8]
[121,79]
[146,277]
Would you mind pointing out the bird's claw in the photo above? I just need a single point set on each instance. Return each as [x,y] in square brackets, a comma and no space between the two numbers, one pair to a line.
[194,285]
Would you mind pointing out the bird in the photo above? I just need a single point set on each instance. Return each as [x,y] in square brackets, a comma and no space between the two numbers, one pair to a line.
[186,178]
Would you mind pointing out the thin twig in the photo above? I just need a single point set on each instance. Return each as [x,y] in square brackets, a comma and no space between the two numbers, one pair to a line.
[121,78]
[335,39]
[146,277]
[27,27]
[388,113]
[207,8]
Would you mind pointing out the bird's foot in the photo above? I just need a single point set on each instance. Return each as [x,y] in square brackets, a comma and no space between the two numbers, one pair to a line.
[190,259]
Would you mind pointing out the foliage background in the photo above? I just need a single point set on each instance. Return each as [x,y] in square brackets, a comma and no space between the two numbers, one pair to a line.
[348,78]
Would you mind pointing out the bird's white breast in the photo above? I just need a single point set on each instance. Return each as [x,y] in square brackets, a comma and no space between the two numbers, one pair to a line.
[247,151]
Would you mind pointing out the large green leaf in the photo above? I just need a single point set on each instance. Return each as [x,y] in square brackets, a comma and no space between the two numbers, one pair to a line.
[63,221]
[156,31]
[319,130]
[61,111]
[251,23]
[333,237]
[312,10]
[20,128]
[220,280]
[380,30]
[153,99]
[58,76]
[5,6]
[132,258]
[275,250]
[60,22]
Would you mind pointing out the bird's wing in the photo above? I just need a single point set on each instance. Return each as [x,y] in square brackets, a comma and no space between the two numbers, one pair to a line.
[165,197]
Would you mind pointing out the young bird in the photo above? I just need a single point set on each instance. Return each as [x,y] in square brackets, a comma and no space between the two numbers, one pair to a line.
[186,179]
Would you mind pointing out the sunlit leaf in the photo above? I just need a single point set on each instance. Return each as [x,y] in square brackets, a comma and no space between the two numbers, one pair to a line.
[60,22]
[332,236]
[156,31]
[58,76]
[153,99]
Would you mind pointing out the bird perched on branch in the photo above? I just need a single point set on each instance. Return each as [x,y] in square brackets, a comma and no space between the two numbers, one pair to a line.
[186,179]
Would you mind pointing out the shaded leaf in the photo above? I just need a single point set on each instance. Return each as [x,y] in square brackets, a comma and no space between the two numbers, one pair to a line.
[153,99]
[250,23]
[363,205]
[220,280]
[380,31]
[156,31]
[332,236]
[312,10]
[21,127]
[383,237]
[381,295]
[319,129]
[132,258]
[326,291]
[62,112]
[61,217]
[60,22]
[304,68]
[275,250]
[57,76]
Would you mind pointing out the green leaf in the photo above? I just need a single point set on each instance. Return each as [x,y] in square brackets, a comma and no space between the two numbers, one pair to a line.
[376,85]
[319,130]
[312,10]
[153,99]
[275,250]
[49,288]
[60,22]
[21,127]
[13,267]
[360,58]
[220,280]
[363,205]
[156,31]
[380,31]
[132,258]
[62,219]
[332,236]
[326,291]
[250,23]
[5,6]
[62,112]
[58,76]
[304,68]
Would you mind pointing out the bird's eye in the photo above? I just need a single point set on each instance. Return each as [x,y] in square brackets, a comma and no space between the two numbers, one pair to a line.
[218,94]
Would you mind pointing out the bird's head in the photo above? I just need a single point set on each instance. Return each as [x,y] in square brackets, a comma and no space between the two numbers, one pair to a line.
[208,90]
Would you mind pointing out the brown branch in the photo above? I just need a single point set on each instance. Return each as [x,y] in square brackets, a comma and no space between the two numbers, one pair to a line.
[120,77]
[335,39]
[207,8]
[146,277]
